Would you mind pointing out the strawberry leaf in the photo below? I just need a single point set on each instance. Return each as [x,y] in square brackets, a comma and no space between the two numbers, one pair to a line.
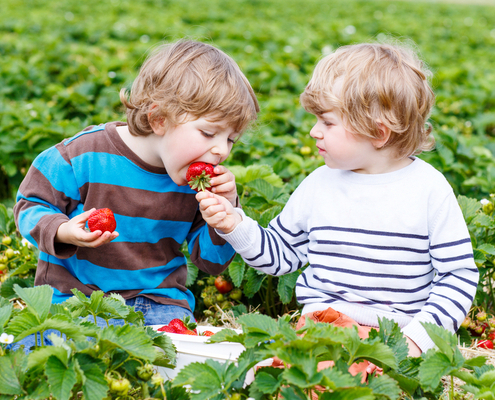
[286,285]
[130,338]
[9,383]
[38,300]
[254,279]
[266,383]
[237,268]
[385,386]
[61,378]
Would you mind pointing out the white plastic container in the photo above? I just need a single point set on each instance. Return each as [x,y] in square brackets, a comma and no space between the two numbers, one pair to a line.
[195,349]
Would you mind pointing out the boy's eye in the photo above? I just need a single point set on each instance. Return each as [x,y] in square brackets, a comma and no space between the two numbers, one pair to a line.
[208,135]
[233,141]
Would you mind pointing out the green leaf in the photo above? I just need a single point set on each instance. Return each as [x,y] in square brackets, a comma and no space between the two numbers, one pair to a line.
[286,285]
[3,220]
[469,207]
[253,282]
[237,269]
[297,377]
[487,248]
[9,383]
[262,187]
[385,386]
[390,334]
[192,273]
[258,323]
[355,393]
[38,299]
[378,353]
[95,386]
[25,324]
[40,356]
[266,383]
[7,287]
[130,338]
[60,377]
[488,379]
[293,393]
[5,313]
[433,368]
[443,339]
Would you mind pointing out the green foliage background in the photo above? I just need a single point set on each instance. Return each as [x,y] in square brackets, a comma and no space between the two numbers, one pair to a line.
[64,63]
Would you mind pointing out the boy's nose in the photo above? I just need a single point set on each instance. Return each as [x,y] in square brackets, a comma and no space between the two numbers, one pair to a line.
[315,133]
[220,149]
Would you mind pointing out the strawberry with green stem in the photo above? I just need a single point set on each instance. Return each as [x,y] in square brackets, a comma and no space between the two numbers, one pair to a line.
[199,175]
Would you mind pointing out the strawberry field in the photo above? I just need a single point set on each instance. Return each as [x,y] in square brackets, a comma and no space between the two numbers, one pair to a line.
[63,65]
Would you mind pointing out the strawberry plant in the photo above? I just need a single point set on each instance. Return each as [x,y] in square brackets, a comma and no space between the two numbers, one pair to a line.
[301,351]
[86,360]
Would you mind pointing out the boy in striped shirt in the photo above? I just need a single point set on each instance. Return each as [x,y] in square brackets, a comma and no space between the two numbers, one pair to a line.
[379,229]
[189,103]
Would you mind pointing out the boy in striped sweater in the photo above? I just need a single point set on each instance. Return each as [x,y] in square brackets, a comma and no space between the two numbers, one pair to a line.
[189,103]
[379,229]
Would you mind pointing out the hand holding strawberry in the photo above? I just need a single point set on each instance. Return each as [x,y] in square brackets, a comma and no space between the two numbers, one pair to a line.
[218,212]
[216,179]
[73,232]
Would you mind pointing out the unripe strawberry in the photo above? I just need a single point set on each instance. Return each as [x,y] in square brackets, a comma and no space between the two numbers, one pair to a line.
[481,316]
[305,150]
[467,321]
[9,253]
[7,240]
[156,380]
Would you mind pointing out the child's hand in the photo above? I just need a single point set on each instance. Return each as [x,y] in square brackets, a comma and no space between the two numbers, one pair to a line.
[224,184]
[73,232]
[218,212]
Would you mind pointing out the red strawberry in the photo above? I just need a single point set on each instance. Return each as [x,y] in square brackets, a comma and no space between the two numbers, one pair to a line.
[177,325]
[198,176]
[485,344]
[167,328]
[102,220]
[208,333]
[189,332]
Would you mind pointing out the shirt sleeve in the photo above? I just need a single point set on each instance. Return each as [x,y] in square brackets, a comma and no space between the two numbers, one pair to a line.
[279,249]
[46,198]
[208,251]
[456,275]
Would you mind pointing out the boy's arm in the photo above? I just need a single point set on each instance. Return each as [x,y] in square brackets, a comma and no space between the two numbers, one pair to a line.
[456,274]
[48,211]
[277,250]
[207,250]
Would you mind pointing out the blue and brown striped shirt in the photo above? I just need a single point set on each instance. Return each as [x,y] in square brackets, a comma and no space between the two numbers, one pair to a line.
[154,218]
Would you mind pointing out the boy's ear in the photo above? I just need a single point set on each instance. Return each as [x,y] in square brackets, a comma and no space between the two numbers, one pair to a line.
[384,135]
[158,126]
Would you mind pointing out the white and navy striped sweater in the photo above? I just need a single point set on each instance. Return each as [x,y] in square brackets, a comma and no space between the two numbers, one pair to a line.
[389,245]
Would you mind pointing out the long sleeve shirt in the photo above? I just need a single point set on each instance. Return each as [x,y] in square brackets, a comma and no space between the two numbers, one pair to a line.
[154,218]
[391,245]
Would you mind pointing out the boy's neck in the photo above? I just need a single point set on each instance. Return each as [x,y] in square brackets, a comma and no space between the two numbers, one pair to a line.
[385,162]
[142,146]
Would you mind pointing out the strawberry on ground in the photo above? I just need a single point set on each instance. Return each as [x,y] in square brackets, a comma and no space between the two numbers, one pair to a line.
[102,220]
[198,176]
[485,344]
